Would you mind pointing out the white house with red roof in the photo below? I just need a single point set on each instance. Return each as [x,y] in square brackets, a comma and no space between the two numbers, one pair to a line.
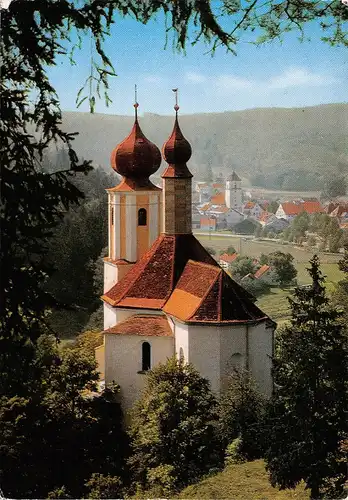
[164,294]
[289,209]
[226,259]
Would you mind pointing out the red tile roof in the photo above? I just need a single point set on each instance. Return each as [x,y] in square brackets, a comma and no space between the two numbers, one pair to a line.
[218,199]
[206,294]
[155,275]
[206,221]
[228,257]
[249,205]
[179,276]
[260,272]
[295,208]
[143,325]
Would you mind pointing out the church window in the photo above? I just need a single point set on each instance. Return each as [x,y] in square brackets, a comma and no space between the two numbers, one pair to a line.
[112,216]
[181,353]
[142,217]
[146,357]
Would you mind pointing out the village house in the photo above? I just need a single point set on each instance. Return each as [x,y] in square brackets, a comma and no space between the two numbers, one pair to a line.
[226,259]
[289,209]
[164,294]
[252,209]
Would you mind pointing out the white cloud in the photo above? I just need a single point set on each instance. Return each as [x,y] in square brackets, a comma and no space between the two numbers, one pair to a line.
[5,3]
[299,77]
[194,77]
[231,82]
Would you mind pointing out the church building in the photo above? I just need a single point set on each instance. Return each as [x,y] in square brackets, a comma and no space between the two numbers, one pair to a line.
[164,294]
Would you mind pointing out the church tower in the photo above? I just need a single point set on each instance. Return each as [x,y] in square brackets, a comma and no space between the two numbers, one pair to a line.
[233,192]
[134,205]
[177,183]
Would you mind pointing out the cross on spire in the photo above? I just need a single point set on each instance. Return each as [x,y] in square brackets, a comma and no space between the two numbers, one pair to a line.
[176,107]
[136,105]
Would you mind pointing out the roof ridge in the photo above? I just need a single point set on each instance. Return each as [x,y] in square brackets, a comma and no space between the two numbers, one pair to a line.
[204,264]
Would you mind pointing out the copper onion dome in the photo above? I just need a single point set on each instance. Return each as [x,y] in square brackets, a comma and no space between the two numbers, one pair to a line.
[136,158]
[177,151]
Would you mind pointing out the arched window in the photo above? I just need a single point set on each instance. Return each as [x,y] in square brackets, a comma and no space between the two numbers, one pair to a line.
[142,216]
[181,353]
[146,357]
[112,216]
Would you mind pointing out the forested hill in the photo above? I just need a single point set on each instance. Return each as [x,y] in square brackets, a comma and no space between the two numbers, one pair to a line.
[271,141]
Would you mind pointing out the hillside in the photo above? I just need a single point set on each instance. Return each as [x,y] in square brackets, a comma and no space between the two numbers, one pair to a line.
[240,482]
[271,141]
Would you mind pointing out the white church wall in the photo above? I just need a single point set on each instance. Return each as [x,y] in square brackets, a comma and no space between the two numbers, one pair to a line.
[123,358]
[260,355]
[110,276]
[204,352]
[181,340]
[233,350]
[109,316]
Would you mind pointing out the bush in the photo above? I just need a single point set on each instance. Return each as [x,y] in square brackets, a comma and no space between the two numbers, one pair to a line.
[174,428]
[233,454]
[242,415]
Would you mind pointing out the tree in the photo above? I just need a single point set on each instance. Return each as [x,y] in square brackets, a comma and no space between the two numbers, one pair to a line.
[282,265]
[311,240]
[273,207]
[210,250]
[308,416]
[242,410]
[242,266]
[174,428]
[104,486]
[334,186]
[65,428]
[300,225]
[340,293]
[230,250]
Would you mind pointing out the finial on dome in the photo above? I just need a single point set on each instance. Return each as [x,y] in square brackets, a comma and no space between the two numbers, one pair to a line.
[176,107]
[136,104]
[177,150]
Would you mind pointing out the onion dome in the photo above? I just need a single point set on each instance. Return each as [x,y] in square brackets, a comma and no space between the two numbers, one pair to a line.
[136,158]
[177,151]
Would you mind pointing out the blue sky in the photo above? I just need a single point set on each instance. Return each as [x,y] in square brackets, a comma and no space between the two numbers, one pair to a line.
[282,75]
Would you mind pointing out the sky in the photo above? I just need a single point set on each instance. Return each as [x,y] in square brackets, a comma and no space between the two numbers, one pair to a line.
[291,74]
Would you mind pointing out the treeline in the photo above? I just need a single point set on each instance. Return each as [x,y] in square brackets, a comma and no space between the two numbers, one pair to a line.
[74,247]
[62,439]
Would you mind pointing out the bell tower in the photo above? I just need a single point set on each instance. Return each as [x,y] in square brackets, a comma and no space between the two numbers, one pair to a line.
[177,182]
[233,192]
[134,205]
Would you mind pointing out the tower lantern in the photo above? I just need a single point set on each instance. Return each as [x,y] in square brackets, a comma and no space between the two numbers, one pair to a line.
[177,181]
[134,204]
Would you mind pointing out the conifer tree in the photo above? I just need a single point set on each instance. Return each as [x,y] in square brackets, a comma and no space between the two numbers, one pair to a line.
[308,418]
[174,428]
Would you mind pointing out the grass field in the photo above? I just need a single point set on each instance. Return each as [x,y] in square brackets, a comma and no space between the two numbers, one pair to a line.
[254,248]
[275,304]
[248,481]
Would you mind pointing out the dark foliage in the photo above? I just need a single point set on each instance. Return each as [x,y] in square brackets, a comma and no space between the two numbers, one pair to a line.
[242,415]
[308,417]
[174,429]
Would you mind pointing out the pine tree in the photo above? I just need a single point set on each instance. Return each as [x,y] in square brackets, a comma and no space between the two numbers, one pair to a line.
[308,416]
[174,428]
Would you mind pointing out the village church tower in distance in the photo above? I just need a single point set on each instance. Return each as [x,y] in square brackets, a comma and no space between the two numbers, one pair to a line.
[164,294]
